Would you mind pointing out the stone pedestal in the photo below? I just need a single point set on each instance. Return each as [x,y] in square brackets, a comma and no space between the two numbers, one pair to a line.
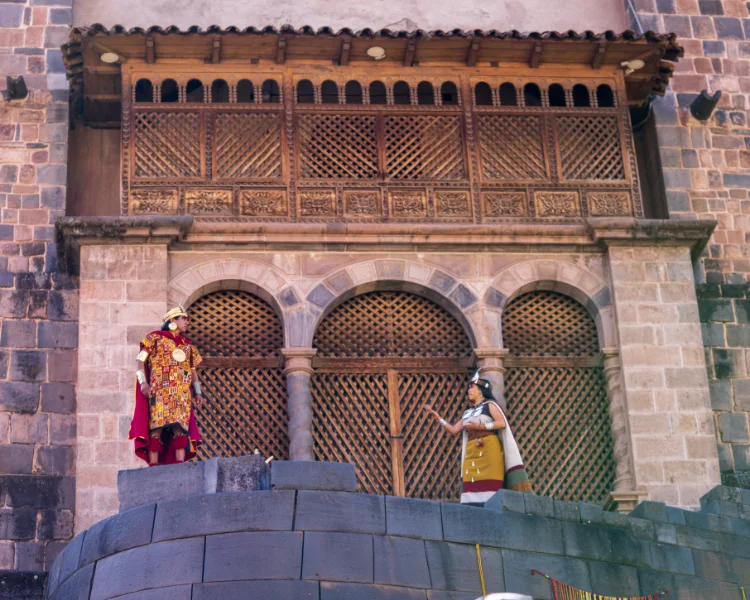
[298,370]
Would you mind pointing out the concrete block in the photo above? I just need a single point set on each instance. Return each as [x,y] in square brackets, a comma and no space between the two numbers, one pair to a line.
[539,505]
[240,474]
[173,592]
[136,487]
[340,511]
[313,475]
[126,530]
[77,586]
[410,517]
[253,555]
[400,561]
[586,541]
[257,590]
[224,513]
[566,511]
[338,557]
[330,590]
[518,577]
[137,569]
[653,511]
[501,529]
[70,557]
[672,558]
[507,500]
[613,580]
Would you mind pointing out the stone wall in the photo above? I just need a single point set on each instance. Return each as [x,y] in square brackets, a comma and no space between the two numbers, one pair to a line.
[38,305]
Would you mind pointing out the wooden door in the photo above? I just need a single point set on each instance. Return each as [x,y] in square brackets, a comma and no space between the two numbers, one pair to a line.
[381,356]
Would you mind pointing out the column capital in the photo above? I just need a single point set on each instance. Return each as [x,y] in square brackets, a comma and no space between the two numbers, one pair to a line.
[611,352]
[491,352]
[298,360]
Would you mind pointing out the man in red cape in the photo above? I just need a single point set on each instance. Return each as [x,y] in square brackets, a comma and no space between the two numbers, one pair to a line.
[163,426]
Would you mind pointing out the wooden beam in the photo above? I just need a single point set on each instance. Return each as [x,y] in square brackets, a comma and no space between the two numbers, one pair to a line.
[103,69]
[216,50]
[598,59]
[104,97]
[346,49]
[150,50]
[411,49]
[281,51]
[471,57]
[536,54]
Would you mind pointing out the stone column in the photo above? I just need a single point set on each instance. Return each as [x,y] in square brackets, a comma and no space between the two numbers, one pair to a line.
[298,370]
[490,363]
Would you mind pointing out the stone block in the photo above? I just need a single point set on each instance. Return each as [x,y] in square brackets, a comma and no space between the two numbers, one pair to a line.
[16,458]
[172,592]
[55,460]
[400,561]
[694,588]
[70,557]
[713,334]
[20,585]
[29,556]
[641,529]
[715,310]
[57,334]
[252,590]
[453,566]
[614,580]
[586,541]
[698,538]
[566,511]
[340,511]
[518,577]
[721,394]
[77,587]
[136,487]
[320,296]
[253,555]
[19,397]
[542,506]
[507,500]
[591,513]
[627,550]
[240,474]
[224,513]
[653,582]
[712,565]
[137,569]
[411,517]
[722,508]
[331,590]
[18,334]
[666,533]
[672,558]
[653,511]
[472,525]
[55,525]
[733,427]
[313,475]
[28,365]
[124,531]
[58,398]
[728,363]
[35,491]
[19,524]
[338,557]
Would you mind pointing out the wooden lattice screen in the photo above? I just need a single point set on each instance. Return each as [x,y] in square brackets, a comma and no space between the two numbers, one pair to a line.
[240,337]
[381,356]
[556,396]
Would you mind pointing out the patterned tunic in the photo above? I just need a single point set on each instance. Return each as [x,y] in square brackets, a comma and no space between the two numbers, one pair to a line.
[170,400]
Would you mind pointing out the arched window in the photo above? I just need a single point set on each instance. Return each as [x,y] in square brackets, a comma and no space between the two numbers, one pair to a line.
[483,94]
[271,93]
[219,91]
[604,96]
[532,96]
[508,95]
[378,94]
[353,92]
[401,93]
[305,92]
[581,95]
[449,92]
[556,95]
[425,93]
[194,91]
[329,92]
[144,91]
[169,91]
[245,91]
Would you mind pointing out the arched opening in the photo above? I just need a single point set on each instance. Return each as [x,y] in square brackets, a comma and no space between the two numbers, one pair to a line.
[380,356]
[305,92]
[449,93]
[144,91]
[508,94]
[194,91]
[605,98]
[245,91]
[532,96]
[581,95]
[401,93]
[240,374]
[483,94]
[329,92]
[353,92]
[378,93]
[556,95]
[556,396]
[219,91]
[271,92]
[425,93]
[169,91]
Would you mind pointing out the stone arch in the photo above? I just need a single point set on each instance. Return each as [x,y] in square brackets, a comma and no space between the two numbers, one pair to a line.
[566,278]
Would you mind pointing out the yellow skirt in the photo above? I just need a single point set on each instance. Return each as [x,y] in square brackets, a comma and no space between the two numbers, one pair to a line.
[483,469]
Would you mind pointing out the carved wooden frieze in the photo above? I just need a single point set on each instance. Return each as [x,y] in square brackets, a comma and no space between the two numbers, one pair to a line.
[362,203]
[263,203]
[408,203]
[209,202]
[505,204]
[317,203]
[557,204]
[154,202]
[609,204]
[452,203]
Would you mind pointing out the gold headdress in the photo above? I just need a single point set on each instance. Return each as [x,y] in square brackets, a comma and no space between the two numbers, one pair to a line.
[177,311]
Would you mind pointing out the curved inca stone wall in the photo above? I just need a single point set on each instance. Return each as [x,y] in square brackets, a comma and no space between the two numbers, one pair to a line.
[312,544]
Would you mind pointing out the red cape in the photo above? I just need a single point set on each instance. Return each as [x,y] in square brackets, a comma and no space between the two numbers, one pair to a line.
[139,426]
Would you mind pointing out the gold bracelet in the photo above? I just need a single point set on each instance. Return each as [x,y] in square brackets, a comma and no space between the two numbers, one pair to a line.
[141,377]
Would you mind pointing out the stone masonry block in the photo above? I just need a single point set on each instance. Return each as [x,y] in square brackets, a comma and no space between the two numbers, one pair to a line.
[223,513]
[542,506]
[338,557]
[722,508]
[674,559]
[454,567]
[137,569]
[313,475]
[653,511]
[16,459]
[676,515]
[77,587]
[721,394]
[70,557]
[19,396]
[136,487]
[37,491]
[627,550]
[733,427]
[18,334]
[591,513]
[507,500]
[58,334]
[614,580]
[411,517]
[253,555]
[173,592]
[586,541]
[18,524]
[729,363]
[567,511]
[340,511]
[400,561]
[58,398]
[518,565]
[239,474]
[244,590]
[124,531]
[334,590]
